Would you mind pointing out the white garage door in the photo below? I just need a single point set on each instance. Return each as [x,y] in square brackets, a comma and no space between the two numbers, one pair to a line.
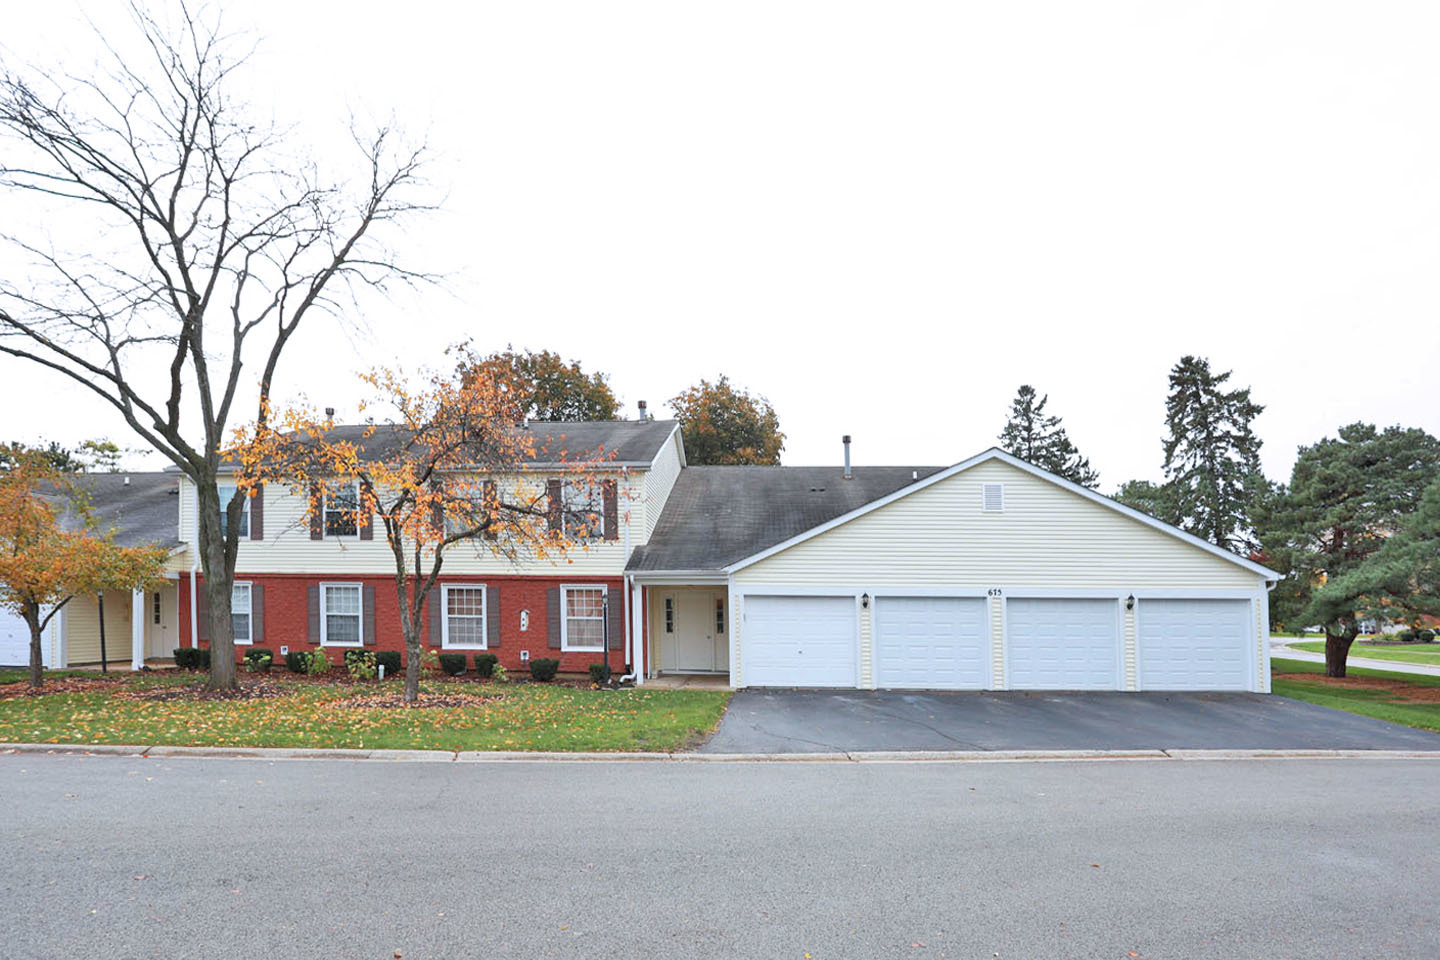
[799,642]
[932,643]
[1063,644]
[1195,644]
[15,642]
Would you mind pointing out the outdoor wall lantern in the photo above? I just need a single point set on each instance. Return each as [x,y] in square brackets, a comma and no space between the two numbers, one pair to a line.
[1130,602]
[865,600]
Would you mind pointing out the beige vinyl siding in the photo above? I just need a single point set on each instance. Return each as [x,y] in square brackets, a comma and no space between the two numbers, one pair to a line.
[659,481]
[1046,537]
[287,547]
[82,628]
[997,643]
[1130,646]
[867,647]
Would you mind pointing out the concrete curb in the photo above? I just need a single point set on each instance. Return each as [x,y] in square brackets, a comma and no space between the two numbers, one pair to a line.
[874,756]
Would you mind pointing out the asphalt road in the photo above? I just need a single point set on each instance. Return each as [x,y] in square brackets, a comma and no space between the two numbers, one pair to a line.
[821,721]
[123,857]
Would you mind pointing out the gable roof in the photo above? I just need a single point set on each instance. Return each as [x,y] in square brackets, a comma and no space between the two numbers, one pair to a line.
[995,453]
[142,512]
[622,443]
[716,516]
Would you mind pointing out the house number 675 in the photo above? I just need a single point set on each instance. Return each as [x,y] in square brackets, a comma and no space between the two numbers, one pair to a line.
[993,592]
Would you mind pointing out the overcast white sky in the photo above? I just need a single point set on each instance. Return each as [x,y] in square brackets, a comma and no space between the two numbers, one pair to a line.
[883,216]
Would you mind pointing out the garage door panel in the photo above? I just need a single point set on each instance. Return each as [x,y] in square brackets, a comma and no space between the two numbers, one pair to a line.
[1062,644]
[932,643]
[800,642]
[1195,644]
[15,641]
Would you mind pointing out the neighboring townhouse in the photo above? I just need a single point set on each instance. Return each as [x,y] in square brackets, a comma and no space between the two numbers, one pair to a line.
[990,574]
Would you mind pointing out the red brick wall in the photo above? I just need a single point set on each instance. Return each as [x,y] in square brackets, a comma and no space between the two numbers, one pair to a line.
[287,617]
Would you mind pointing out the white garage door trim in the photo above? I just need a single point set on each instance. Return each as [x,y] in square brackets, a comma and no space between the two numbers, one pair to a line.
[15,640]
[838,671]
[964,620]
[1243,609]
[1117,649]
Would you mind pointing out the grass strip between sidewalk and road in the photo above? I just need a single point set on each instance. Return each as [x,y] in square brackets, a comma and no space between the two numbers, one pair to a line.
[1410,699]
[304,713]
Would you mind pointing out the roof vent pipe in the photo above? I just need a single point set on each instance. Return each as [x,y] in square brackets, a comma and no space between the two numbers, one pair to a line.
[848,474]
[127,482]
[642,411]
[329,413]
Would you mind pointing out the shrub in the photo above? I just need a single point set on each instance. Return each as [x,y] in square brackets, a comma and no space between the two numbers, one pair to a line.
[319,663]
[1425,635]
[544,669]
[361,664]
[1406,636]
[501,675]
[259,659]
[298,661]
[187,658]
[452,663]
[429,662]
[390,660]
[485,664]
[597,673]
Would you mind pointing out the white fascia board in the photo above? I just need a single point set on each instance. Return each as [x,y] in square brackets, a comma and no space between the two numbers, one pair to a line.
[650,578]
[995,453]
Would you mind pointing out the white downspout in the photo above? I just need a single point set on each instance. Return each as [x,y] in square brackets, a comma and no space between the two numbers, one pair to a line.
[194,567]
[137,630]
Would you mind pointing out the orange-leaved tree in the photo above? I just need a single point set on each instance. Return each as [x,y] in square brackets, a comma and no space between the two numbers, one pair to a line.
[48,553]
[451,468]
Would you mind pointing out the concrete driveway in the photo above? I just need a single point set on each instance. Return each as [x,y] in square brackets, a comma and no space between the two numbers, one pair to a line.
[821,721]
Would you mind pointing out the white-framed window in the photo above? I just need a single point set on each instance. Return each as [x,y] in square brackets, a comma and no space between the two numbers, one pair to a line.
[583,507]
[992,497]
[464,625]
[227,493]
[341,623]
[155,610]
[240,613]
[342,511]
[669,614]
[719,614]
[582,618]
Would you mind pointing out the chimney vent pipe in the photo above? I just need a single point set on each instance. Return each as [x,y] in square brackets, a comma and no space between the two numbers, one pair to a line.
[848,474]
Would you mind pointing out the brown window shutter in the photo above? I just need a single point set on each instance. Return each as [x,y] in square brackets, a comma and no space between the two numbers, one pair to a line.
[434,610]
[492,617]
[615,601]
[257,513]
[556,505]
[202,612]
[317,517]
[257,611]
[490,497]
[367,606]
[313,595]
[552,610]
[612,509]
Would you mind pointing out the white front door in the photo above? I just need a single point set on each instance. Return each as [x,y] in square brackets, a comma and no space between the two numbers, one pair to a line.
[695,629]
[800,642]
[932,643]
[1196,644]
[1062,644]
[161,622]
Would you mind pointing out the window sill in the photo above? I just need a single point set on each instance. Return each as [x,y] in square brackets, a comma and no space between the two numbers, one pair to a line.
[565,649]
[464,646]
[336,643]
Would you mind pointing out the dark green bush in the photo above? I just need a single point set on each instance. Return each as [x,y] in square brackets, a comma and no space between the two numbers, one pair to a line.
[298,661]
[390,660]
[1406,636]
[352,655]
[187,658]
[485,664]
[258,659]
[597,673]
[1425,635]
[544,669]
[452,663]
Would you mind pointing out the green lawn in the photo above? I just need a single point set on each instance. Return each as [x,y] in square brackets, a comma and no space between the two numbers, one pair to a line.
[1388,704]
[1427,653]
[526,717]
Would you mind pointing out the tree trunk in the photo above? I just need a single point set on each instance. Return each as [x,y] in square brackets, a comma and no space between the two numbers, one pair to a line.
[37,662]
[1337,648]
[219,567]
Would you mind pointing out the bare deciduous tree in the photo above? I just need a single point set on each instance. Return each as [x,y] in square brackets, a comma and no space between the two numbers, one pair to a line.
[197,240]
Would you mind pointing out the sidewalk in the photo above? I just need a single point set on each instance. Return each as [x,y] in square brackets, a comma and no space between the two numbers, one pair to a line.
[1290,653]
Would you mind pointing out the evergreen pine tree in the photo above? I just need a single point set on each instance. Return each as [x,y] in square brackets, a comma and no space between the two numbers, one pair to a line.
[1041,440]
[1212,457]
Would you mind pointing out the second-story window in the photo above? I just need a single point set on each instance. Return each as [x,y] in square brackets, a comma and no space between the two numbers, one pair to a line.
[584,510]
[342,507]
[227,492]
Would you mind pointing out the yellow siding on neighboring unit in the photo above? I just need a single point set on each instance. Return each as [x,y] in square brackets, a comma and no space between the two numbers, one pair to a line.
[82,628]
[1047,537]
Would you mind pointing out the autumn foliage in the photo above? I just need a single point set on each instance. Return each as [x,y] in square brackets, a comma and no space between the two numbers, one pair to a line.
[48,553]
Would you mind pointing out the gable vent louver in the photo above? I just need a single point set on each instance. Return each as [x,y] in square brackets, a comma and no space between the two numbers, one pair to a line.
[992,497]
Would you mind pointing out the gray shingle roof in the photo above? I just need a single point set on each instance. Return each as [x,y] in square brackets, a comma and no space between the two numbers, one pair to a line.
[618,442]
[718,515]
[146,511]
